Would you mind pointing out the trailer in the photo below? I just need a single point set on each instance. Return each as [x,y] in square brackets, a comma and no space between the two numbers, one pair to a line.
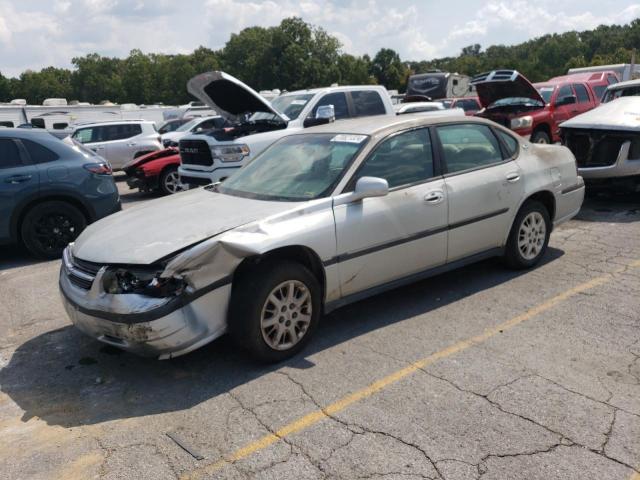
[436,84]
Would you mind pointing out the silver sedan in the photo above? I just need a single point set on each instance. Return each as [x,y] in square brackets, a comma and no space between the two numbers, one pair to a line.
[322,218]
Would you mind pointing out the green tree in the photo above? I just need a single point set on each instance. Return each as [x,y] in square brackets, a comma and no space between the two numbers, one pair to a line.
[389,70]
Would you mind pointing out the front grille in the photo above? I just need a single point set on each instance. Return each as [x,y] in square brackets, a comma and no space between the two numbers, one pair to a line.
[195,152]
[595,148]
[80,272]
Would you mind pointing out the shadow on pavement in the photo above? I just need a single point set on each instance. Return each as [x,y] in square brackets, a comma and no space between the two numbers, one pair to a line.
[611,207]
[68,379]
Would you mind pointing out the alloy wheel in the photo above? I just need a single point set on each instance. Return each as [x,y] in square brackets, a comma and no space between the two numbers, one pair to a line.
[55,231]
[172,183]
[286,315]
[532,235]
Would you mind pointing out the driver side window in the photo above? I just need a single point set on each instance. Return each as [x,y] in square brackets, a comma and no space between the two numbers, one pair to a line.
[339,102]
[402,159]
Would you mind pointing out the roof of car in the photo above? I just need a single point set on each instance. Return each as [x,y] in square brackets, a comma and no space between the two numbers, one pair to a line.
[583,77]
[109,122]
[28,133]
[382,124]
[336,88]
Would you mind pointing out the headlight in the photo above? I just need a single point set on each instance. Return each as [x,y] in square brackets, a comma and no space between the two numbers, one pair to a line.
[522,122]
[230,153]
[141,282]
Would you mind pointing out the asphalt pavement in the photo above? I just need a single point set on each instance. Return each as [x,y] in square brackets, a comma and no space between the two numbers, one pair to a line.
[482,373]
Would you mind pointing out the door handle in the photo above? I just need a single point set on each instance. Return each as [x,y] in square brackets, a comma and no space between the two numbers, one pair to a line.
[95,149]
[513,177]
[18,179]
[131,144]
[434,197]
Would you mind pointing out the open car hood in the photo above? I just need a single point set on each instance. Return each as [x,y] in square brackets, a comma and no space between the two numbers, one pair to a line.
[620,114]
[229,96]
[497,84]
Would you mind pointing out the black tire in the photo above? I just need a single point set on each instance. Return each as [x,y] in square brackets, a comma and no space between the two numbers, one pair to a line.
[513,255]
[540,136]
[249,297]
[48,227]
[163,186]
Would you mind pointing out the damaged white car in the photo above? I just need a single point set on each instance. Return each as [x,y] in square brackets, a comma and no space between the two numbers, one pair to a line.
[606,144]
[321,218]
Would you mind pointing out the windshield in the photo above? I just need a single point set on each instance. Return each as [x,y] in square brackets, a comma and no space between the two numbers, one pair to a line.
[189,125]
[296,168]
[290,105]
[621,92]
[525,101]
[546,93]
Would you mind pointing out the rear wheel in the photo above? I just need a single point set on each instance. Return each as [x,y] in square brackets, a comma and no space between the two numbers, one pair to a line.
[275,309]
[529,236]
[49,227]
[540,136]
[170,181]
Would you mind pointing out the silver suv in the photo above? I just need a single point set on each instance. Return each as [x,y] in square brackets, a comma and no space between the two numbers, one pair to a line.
[119,141]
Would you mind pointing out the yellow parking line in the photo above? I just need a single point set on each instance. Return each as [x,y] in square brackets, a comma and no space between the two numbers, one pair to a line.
[318,415]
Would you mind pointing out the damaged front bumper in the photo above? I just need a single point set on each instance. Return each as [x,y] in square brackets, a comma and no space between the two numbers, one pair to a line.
[148,326]
[604,154]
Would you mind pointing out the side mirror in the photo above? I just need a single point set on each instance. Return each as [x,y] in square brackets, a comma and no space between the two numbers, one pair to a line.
[324,114]
[568,100]
[370,187]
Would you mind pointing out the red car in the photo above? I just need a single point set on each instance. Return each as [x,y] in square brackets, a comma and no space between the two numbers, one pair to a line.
[534,111]
[470,105]
[156,171]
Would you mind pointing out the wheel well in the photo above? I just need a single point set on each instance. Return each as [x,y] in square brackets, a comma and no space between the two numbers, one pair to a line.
[297,253]
[30,205]
[543,127]
[546,198]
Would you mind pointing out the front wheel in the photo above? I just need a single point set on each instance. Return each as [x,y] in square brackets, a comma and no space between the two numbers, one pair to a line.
[275,309]
[540,136]
[529,236]
[170,181]
[49,227]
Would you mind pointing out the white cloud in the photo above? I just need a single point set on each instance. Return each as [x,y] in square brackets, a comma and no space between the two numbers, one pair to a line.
[35,34]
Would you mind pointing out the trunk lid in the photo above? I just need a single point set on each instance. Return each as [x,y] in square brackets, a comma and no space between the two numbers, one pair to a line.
[229,97]
[498,84]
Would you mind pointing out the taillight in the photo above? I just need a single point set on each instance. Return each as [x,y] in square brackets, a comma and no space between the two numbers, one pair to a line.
[98,168]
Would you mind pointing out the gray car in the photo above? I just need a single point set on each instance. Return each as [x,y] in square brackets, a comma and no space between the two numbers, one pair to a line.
[50,189]
[321,218]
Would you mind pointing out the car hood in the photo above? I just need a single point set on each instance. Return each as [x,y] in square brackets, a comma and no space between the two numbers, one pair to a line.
[620,114]
[175,136]
[498,84]
[143,159]
[229,96]
[146,233]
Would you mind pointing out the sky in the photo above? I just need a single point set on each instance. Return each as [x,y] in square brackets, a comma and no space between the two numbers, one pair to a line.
[38,33]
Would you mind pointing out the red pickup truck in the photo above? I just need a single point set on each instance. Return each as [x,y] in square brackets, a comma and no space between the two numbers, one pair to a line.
[534,111]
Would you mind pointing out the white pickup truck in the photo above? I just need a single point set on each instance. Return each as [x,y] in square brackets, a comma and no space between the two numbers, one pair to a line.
[252,123]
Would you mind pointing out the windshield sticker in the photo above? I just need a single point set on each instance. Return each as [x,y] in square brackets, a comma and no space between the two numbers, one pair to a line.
[344,138]
[299,102]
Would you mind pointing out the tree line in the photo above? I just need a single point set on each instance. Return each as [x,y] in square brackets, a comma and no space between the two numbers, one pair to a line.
[296,54]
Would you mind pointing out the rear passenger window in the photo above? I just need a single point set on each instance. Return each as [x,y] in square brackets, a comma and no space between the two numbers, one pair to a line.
[599,90]
[467,146]
[339,102]
[367,103]
[510,143]
[402,159]
[39,153]
[9,154]
[119,131]
[611,79]
[581,93]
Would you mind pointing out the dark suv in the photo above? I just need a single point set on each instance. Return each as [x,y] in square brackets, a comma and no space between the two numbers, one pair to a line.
[50,189]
